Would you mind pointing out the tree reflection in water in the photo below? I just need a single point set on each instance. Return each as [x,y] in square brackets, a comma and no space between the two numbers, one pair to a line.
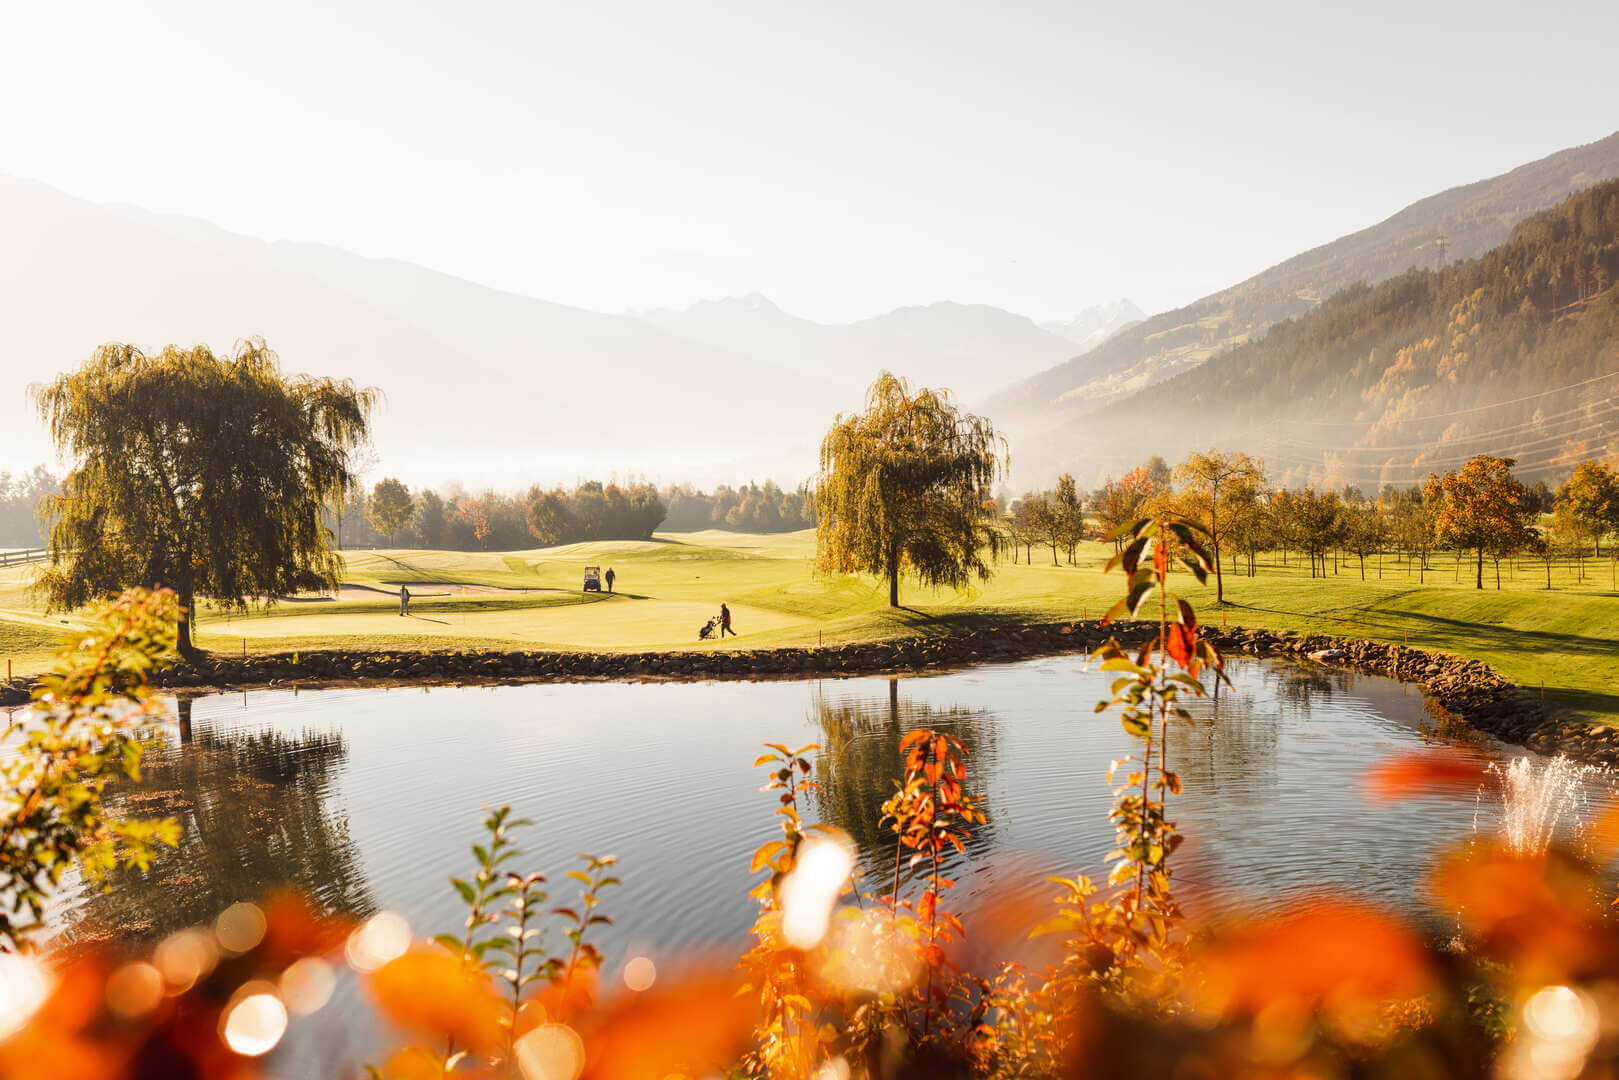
[252,807]
[1231,746]
[861,765]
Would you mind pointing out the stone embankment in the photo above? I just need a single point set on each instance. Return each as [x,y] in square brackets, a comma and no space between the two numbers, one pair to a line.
[1458,691]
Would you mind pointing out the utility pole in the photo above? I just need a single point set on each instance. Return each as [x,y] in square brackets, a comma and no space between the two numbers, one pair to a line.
[1440,242]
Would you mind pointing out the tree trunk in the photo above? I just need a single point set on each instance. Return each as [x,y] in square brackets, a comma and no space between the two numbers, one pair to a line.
[1219,579]
[1479,582]
[893,584]
[188,610]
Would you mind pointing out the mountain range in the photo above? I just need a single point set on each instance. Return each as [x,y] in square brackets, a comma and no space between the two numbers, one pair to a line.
[1047,413]
[480,384]
[493,387]
[1514,352]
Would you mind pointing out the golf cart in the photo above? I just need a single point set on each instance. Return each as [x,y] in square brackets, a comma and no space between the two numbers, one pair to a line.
[593,579]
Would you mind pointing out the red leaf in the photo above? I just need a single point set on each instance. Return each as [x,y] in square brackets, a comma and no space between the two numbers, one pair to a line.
[1180,643]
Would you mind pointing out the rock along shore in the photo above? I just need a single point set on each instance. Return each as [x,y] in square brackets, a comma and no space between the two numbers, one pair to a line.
[1458,691]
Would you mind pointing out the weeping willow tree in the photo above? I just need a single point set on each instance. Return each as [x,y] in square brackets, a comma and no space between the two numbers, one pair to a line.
[202,473]
[904,488]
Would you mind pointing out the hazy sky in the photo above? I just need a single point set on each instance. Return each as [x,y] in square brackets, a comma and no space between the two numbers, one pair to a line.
[843,158]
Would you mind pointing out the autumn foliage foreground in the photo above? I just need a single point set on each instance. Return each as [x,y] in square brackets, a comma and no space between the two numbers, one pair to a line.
[845,976]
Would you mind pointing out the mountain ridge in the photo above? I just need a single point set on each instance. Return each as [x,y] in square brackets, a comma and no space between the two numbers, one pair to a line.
[483,384]
[1514,352]
[1475,217]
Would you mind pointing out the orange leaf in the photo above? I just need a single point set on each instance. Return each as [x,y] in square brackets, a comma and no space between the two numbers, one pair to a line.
[694,1027]
[1179,643]
[1423,772]
[434,994]
[1333,956]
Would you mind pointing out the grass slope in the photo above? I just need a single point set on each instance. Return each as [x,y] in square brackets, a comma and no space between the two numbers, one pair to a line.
[668,586]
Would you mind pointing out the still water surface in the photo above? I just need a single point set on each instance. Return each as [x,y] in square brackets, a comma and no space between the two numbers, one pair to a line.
[368,799]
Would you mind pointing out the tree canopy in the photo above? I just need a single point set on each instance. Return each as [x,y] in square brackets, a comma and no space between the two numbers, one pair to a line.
[1591,494]
[206,474]
[1483,508]
[1211,478]
[390,508]
[903,487]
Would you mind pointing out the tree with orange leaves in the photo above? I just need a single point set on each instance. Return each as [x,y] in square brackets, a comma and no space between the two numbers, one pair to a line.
[1483,508]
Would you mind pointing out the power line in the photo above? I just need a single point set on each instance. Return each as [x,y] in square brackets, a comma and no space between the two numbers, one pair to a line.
[1458,412]
[1582,414]
[1368,471]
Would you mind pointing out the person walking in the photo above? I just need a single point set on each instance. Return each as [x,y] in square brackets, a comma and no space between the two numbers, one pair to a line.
[609,576]
[725,622]
[404,601]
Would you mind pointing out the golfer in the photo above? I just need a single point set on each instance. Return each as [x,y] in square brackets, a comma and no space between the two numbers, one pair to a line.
[725,622]
[609,576]
[404,601]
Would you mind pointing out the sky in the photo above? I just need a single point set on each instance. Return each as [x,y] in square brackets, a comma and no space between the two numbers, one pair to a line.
[842,158]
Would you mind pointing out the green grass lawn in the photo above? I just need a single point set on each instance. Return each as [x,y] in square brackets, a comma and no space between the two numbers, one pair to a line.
[669,586]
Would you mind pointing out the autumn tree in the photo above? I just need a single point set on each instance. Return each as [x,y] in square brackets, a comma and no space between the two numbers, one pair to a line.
[1026,525]
[1571,536]
[1250,524]
[1592,495]
[1411,525]
[902,488]
[547,516]
[390,508]
[1364,531]
[1482,508]
[1036,521]
[1209,478]
[475,512]
[1122,502]
[201,473]
[1068,512]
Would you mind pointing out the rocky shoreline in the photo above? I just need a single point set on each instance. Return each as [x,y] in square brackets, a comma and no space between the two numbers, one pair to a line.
[1458,691]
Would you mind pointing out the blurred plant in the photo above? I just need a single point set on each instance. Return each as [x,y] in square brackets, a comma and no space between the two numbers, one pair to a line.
[501,946]
[482,944]
[524,943]
[584,959]
[82,731]
[786,1040]
[1126,940]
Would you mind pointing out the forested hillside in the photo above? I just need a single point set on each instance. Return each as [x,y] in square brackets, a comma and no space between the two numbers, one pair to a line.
[1472,219]
[1515,352]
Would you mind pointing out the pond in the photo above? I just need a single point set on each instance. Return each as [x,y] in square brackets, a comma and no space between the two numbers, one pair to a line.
[368,799]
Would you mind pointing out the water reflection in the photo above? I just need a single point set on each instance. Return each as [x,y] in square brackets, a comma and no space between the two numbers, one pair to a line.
[253,807]
[1233,741]
[860,765]
[368,798]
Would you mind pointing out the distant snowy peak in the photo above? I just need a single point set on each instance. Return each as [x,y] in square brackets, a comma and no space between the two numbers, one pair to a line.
[1096,324]
[752,304]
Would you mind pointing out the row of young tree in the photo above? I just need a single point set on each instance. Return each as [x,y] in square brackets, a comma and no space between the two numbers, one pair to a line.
[458,521]
[1480,511]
